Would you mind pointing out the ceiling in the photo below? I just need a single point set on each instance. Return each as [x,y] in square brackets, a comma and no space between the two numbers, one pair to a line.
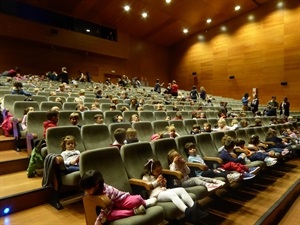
[164,23]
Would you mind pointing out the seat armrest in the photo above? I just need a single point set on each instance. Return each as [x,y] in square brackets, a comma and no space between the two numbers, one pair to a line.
[101,200]
[140,182]
[177,174]
[196,165]
[215,159]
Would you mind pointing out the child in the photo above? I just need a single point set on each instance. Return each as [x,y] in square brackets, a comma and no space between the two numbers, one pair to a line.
[52,120]
[196,129]
[131,136]
[172,131]
[177,163]
[7,124]
[98,119]
[74,118]
[70,154]
[134,118]
[24,119]
[207,128]
[178,196]
[123,204]
[120,136]
[253,155]
[231,162]
[118,119]
[193,157]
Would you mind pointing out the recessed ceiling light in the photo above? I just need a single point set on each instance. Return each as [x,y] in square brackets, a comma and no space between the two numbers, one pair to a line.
[201,37]
[144,14]
[223,28]
[88,30]
[208,21]
[185,30]
[250,17]
[168,1]
[237,8]
[280,4]
[127,8]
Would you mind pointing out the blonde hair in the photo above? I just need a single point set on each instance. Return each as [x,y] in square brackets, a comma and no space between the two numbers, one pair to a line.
[172,154]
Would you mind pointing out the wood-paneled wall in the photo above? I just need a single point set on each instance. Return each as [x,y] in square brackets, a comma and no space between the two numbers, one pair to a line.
[32,47]
[259,53]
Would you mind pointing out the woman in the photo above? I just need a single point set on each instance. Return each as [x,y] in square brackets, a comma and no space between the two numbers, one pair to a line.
[284,108]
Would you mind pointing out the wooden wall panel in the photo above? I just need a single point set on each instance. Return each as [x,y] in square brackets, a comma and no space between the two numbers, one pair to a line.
[259,53]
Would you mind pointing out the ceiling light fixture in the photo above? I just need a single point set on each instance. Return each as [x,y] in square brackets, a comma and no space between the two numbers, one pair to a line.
[237,8]
[185,30]
[127,8]
[168,1]
[280,4]
[88,30]
[250,17]
[144,14]
[208,21]
[223,28]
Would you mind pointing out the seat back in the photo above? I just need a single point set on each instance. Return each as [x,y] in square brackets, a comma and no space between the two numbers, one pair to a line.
[205,145]
[188,124]
[146,115]
[64,117]
[88,116]
[35,122]
[144,130]
[105,106]
[159,115]
[217,138]
[242,133]
[52,98]
[231,133]
[69,106]
[54,136]
[10,99]
[149,107]
[161,147]
[127,115]
[46,105]
[113,126]
[19,106]
[201,122]
[159,125]
[109,115]
[180,128]
[181,141]
[95,136]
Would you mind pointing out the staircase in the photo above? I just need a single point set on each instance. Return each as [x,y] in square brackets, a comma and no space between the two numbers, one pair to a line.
[17,192]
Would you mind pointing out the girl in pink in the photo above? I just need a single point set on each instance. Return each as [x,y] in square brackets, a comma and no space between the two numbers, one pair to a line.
[123,204]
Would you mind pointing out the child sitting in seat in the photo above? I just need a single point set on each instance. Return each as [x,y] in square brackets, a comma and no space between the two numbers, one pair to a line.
[196,129]
[193,157]
[69,154]
[123,204]
[181,199]
[171,131]
[52,120]
[254,155]
[23,123]
[177,163]
[232,162]
[74,119]
[131,136]
[120,136]
[207,128]
[98,118]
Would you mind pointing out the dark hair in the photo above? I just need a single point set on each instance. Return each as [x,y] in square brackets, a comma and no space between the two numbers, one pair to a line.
[91,179]
[188,146]
[239,141]
[51,114]
[150,165]
[254,139]
[120,134]
[229,143]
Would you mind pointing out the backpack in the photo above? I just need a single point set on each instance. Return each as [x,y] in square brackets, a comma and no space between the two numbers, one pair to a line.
[36,161]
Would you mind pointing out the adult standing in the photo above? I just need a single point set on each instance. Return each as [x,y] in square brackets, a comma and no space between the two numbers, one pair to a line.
[157,86]
[245,101]
[284,108]
[202,93]
[272,107]
[64,76]
[254,104]
[174,89]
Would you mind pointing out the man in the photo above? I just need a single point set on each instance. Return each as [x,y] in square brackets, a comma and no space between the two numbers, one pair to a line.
[174,89]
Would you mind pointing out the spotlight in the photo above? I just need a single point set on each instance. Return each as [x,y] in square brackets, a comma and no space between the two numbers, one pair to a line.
[237,8]
[127,8]
[208,20]
[6,210]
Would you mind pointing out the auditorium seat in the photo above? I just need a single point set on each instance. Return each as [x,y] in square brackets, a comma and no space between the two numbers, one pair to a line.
[188,124]
[144,130]
[95,136]
[46,105]
[159,125]
[146,115]
[69,106]
[109,115]
[180,128]
[88,116]
[113,126]
[110,163]
[159,115]
[64,117]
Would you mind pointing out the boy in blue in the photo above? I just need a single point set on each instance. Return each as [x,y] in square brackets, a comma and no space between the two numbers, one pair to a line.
[191,151]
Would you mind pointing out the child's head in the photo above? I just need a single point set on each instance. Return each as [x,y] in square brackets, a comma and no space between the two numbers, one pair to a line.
[168,117]
[240,142]
[196,128]
[171,129]
[207,127]
[98,118]
[95,106]
[172,154]
[224,139]
[244,123]
[68,143]
[118,118]
[221,123]
[229,144]
[153,167]
[190,149]
[53,115]
[74,118]
[134,118]
[131,134]
[120,135]
[28,109]
[92,182]
[254,139]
